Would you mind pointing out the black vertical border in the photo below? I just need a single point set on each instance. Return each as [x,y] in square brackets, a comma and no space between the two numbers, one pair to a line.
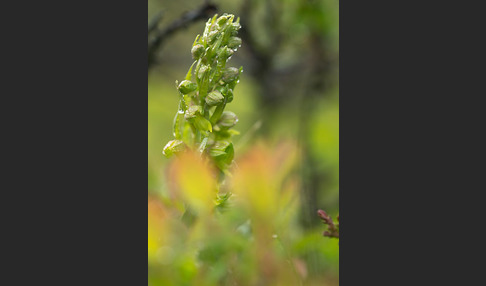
[75,103]
[87,69]
[409,134]
[374,145]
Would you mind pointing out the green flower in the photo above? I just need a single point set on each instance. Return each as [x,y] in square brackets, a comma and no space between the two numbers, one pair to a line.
[173,147]
[187,86]
[228,119]
[234,42]
[214,98]
[230,74]
[198,51]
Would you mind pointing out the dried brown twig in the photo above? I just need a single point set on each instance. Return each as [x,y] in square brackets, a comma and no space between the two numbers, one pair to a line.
[333,230]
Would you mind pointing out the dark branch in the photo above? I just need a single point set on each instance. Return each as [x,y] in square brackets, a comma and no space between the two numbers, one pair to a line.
[204,12]
[152,26]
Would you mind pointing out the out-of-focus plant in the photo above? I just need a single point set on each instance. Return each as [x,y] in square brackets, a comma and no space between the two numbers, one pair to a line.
[333,229]
[251,242]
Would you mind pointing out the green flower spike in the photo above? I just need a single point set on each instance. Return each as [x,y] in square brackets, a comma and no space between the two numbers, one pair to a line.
[201,122]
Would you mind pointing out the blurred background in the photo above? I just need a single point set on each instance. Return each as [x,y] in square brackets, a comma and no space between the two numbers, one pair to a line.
[287,103]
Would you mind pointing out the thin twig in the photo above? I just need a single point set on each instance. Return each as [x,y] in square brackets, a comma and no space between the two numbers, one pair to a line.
[204,12]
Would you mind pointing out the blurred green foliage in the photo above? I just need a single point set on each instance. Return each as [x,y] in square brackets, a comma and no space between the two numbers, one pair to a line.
[287,103]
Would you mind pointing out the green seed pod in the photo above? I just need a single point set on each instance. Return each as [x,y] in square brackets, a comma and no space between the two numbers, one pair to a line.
[234,42]
[228,119]
[214,98]
[230,74]
[197,51]
[173,147]
[192,111]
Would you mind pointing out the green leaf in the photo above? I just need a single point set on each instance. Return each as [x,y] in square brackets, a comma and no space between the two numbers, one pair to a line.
[222,202]
[202,123]
[203,76]
[219,148]
[178,118]
[195,41]
[203,144]
[223,153]
[187,135]
[230,154]
[217,113]
[173,147]
[189,73]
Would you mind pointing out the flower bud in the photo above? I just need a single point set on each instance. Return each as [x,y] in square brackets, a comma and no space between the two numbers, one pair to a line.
[323,215]
[225,53]
[212,36]
[187,86]
[234,28]
[234,42]
[228,119]
[230,74]
[173,147]
[215,27]
[192,111]
[214,98]
[222,20]
[203,70]
[197,51]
